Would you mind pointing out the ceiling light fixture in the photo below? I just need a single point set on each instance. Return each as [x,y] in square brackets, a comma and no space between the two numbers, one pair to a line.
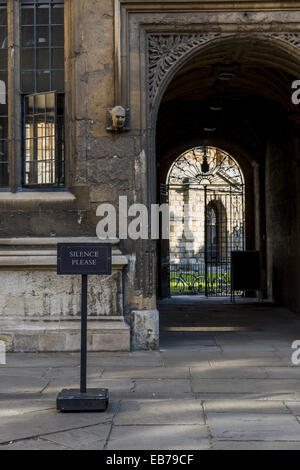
[226,76]
[216,103]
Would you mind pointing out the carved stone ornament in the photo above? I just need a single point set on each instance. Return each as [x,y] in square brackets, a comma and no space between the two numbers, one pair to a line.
[117,118]
[164,50]
[291,38]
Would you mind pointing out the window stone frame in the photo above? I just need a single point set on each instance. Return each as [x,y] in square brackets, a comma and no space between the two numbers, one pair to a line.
[15,104]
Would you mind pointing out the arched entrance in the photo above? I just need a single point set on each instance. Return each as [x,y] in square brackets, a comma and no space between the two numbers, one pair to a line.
[206,200]
[230,95]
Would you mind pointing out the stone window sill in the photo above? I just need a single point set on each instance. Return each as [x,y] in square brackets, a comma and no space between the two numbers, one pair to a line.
[35,199]
[41,253]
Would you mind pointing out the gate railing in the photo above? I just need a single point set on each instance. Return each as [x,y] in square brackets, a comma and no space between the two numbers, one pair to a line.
[211,279]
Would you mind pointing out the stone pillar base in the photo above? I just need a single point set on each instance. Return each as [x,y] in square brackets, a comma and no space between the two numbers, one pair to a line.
[145,329]
[104,334]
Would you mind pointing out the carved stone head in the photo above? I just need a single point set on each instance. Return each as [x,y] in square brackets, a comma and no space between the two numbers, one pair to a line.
[118,116]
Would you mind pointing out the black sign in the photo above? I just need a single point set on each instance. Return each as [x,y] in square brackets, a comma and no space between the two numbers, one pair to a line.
[245,270]
[84,258]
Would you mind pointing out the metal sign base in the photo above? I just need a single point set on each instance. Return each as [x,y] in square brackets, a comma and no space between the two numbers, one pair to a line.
[95,399]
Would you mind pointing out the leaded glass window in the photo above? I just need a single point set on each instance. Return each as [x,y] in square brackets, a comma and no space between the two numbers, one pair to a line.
[42,85]
[4,167]
[43,165]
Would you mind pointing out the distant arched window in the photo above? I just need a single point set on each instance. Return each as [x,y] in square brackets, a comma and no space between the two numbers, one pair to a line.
[212,232]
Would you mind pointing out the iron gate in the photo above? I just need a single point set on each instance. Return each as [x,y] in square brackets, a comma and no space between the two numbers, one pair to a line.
[219,182]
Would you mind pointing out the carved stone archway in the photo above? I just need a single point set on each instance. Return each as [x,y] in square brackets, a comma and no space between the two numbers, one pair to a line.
[167,53]
[152,44]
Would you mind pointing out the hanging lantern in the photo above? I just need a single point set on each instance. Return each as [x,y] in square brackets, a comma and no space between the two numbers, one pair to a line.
[205,164]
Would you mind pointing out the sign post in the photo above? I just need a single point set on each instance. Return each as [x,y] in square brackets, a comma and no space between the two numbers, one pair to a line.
[83,259]
[83,354]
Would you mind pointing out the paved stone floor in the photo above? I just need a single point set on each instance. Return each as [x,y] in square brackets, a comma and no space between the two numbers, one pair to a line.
[223,379]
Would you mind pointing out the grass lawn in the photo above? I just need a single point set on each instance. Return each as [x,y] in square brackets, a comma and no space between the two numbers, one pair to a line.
[194,283]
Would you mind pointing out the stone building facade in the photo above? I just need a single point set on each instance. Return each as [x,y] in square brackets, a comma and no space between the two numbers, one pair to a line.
[66,68]
[186,249]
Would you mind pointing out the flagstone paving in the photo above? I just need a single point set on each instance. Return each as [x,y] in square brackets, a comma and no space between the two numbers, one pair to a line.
[231,386]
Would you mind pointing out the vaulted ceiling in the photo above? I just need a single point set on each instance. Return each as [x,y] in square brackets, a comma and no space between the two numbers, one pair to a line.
[256,99]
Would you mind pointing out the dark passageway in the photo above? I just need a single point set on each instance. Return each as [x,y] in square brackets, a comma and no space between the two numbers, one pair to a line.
[236,95]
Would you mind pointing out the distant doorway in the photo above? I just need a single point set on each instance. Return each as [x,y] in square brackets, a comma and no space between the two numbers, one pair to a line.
[206,199]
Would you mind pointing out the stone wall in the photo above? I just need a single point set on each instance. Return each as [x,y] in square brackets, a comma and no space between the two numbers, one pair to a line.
[182,249]
[282,219]
[192,250]
[41,310]
[45,295]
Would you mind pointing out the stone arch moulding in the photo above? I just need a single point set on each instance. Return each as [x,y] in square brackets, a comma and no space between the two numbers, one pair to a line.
[167,53]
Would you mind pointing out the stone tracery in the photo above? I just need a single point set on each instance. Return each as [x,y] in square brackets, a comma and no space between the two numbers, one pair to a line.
[164,51]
